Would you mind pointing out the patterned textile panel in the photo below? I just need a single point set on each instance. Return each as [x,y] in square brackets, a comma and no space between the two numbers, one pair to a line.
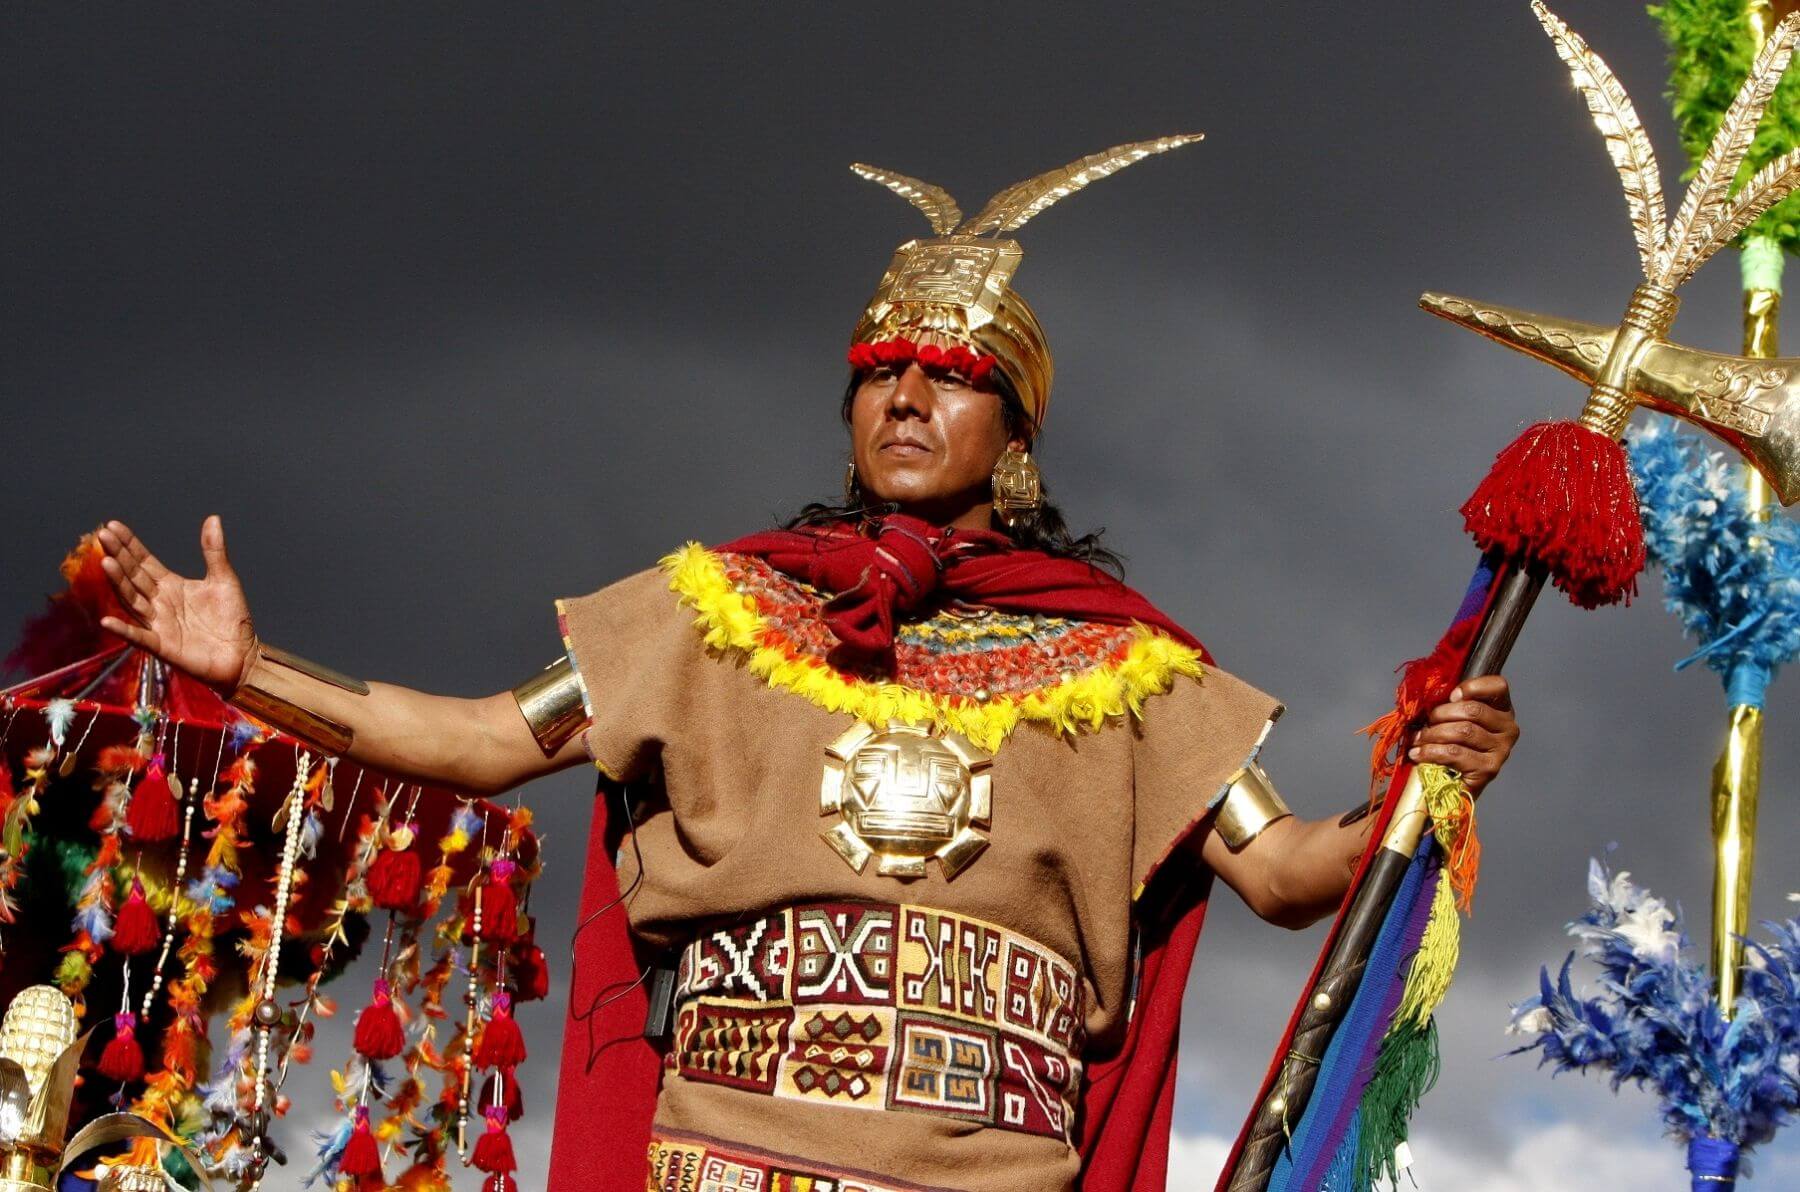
[884,1006]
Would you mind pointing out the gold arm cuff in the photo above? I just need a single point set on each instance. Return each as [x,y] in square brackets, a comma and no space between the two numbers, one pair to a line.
[552,705]
[1251,804]
[312,727]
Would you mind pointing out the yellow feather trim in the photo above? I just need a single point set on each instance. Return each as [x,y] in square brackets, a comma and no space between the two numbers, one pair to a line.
[730,621]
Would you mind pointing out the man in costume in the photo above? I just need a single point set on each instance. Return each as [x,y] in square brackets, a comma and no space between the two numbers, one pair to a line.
[917,805]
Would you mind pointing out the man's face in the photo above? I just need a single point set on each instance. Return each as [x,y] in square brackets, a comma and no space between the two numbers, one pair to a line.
[928,441]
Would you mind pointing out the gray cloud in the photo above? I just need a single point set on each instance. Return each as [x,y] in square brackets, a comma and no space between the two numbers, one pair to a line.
[452,310]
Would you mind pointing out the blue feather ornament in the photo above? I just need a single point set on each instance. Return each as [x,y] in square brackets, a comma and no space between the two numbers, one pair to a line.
[1730,573]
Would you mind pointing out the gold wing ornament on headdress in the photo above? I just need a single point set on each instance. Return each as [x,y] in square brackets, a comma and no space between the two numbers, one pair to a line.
[1015,206]
[934,201]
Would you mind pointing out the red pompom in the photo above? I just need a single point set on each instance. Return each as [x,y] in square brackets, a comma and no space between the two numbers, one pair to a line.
[362,1155]
[123,1059]
[514,1100]
[1561,495]
[151,816]
[394,879]
[136,930]
[494,1150]
[379,1035]
[499,906]
[502,1044]
[531,973]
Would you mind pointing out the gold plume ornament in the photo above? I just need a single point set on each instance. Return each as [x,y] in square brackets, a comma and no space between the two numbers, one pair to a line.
[1751,403]
[956,287]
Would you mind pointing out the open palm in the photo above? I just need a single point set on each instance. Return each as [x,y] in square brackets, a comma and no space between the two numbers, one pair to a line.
[201,626]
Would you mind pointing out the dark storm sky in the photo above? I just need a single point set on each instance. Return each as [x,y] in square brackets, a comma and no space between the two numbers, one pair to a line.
[452,309]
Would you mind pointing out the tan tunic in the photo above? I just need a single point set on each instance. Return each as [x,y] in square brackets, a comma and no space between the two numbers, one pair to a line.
[1078,822]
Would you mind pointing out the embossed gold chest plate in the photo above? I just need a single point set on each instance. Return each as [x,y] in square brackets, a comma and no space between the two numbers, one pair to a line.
[905,795]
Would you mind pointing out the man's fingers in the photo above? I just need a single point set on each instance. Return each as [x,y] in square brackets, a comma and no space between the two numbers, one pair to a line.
[1464,733]
[130,594]
[1486,715]
[212,547]
[1489,689]
[1466,762]
[132,547]
[137,635]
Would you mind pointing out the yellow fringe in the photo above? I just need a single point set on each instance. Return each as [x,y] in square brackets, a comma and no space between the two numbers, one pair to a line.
[729,620]
[1434,966]
[1452,811]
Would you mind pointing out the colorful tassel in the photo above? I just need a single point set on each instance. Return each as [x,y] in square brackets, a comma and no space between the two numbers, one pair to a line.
[514,1100]
[394,880]
[136,930]
[502,1044]
[494,1150]
[1434,964]
[362,1154]
[1561,495]
[152,817]
[379,1035]
[499,906]
[123,1059]
[1405,1070]
[1452,811]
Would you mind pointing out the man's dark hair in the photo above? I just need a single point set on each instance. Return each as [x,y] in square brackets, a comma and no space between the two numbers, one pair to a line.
[1042,529]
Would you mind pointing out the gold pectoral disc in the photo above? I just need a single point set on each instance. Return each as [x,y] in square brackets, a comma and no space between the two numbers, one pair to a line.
[904,795]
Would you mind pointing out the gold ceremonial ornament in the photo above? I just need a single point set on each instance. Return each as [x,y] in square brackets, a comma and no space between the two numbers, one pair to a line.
[313,728]
[956,287]
[904,795]
[1752,404]
[552,704]
[1018,486]
[1251,803]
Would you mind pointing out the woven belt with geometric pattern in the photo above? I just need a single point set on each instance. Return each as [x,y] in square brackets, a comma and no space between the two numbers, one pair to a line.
[884,1006]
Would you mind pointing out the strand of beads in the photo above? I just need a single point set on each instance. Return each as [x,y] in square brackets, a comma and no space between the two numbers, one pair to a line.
[268,1011]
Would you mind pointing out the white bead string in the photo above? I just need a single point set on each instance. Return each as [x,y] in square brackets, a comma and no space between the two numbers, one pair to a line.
[267,1013]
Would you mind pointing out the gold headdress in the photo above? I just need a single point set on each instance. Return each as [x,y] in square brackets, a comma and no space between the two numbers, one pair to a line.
[956,287]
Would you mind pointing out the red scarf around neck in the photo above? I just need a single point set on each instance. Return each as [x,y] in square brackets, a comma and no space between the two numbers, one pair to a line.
[899,564]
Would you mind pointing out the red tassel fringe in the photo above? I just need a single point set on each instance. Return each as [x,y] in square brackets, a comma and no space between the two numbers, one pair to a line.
[136,930]
[499,906]
[1424,684]
[394,880]
[532,974]
[152,817]
[494,1150]
[500,1183]
[379,1035]
[502,1044]
[123,1059]
[1561,495]
[362,1155]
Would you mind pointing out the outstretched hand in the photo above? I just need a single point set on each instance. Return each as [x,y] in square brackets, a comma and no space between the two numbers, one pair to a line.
[201,626]
[1473,733]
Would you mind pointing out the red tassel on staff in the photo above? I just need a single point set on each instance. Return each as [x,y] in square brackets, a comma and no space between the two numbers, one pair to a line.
[499,906]
[151,817]
[379,1035]
[502,1044]
[136,930]
[123,1059]
[362,1155]
[1561,495]
[494,1150]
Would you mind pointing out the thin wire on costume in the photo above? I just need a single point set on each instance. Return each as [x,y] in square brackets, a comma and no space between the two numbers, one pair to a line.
[607,994]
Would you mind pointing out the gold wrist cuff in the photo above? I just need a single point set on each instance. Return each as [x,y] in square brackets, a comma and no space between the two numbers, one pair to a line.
[312,727]
[1251,804]
[552,704]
